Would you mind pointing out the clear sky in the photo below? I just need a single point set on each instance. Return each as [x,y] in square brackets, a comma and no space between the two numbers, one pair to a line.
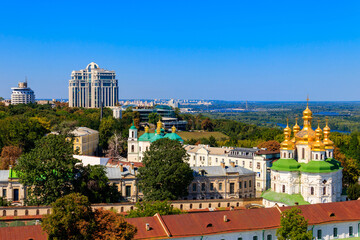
[230,50]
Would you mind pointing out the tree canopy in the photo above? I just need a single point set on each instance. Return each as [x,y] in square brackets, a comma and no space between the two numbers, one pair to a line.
[166,174]
[52,172]
[353,191]
[148,209]
[48,168]
[73,218]
[293,226]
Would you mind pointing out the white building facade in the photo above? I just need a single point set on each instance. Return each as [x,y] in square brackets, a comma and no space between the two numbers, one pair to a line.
[22,94]
[254,159]
[93,87]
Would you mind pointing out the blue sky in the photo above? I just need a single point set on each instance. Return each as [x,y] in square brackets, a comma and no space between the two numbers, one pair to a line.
[230,50]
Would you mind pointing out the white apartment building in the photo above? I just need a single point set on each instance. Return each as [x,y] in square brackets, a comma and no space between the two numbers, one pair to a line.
[22,94]
[93,87]
[254,159]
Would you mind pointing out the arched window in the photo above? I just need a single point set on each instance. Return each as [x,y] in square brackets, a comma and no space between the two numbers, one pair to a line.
[15,213]
[283,188]
[132,134]
[132,148]
[4,213]
[316,156]
[284,155]
[312,191]
[324,190]
[26,212]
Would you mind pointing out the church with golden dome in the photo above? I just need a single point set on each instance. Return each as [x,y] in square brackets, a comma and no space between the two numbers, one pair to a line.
[306,172]
[138,146]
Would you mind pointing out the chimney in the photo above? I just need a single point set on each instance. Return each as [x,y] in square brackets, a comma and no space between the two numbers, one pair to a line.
[121,167]
[232,163]
[222,164]
[147,227]
[225,218]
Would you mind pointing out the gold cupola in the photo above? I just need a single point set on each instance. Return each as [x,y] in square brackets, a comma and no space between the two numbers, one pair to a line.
[327,142]
[296,127]
[287,144]
[159,126]
[318,145]
[173,129]
[147,129]
[307,134]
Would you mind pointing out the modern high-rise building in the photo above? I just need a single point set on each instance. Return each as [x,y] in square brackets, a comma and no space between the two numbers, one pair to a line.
[22,94]
[93,87]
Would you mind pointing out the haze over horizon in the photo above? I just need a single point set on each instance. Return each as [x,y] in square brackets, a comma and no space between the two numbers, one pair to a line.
[263,51]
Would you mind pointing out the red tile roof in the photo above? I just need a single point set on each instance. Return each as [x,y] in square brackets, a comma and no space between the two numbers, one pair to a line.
[22,233]
[209,223]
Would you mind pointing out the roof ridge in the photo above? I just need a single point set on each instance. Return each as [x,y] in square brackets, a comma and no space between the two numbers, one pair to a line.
[163,224]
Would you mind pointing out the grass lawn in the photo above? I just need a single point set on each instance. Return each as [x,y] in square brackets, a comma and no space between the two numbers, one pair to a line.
[201,134]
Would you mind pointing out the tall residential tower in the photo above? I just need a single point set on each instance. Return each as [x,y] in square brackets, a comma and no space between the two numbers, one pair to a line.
[93,87]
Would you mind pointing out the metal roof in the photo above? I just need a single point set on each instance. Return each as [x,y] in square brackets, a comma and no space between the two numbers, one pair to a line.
[220,171]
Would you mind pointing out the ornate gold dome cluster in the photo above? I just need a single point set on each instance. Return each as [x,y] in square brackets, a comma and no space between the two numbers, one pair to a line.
[306,135]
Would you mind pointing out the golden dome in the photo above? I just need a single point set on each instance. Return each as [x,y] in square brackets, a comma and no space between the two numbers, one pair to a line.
[173,129]
[146,129]
[318,145]
[327,142]
[287,144]
[296,127]
[159,126]
[307,134]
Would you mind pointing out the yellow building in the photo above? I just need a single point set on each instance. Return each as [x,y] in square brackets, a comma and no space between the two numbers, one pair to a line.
[86,141]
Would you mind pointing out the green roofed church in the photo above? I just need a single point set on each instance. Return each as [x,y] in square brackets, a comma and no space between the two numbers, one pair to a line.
[306,172]
[137,146]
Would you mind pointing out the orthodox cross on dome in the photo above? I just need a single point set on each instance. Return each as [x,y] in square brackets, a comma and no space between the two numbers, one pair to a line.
[307,100]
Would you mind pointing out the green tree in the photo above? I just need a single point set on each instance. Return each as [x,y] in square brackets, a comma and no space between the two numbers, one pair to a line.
[166,174]
[48,168]
[293,226]
[4,202]
[353,191]
[65,127]
[92,182]
[71,218]
[106,130]
[207,125]
[154,118]
[149,209]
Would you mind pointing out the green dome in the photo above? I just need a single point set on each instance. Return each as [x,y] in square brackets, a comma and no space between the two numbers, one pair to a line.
[174,136]
[288,165]
[133,127]
[146,137]
[156,137]
[330,165]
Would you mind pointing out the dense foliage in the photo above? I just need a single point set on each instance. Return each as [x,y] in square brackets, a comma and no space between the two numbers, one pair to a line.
[22,125]
[48,168]
[52,172]
[353,191]
[149,209]
[73,218]
[166,174]
[293,226]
